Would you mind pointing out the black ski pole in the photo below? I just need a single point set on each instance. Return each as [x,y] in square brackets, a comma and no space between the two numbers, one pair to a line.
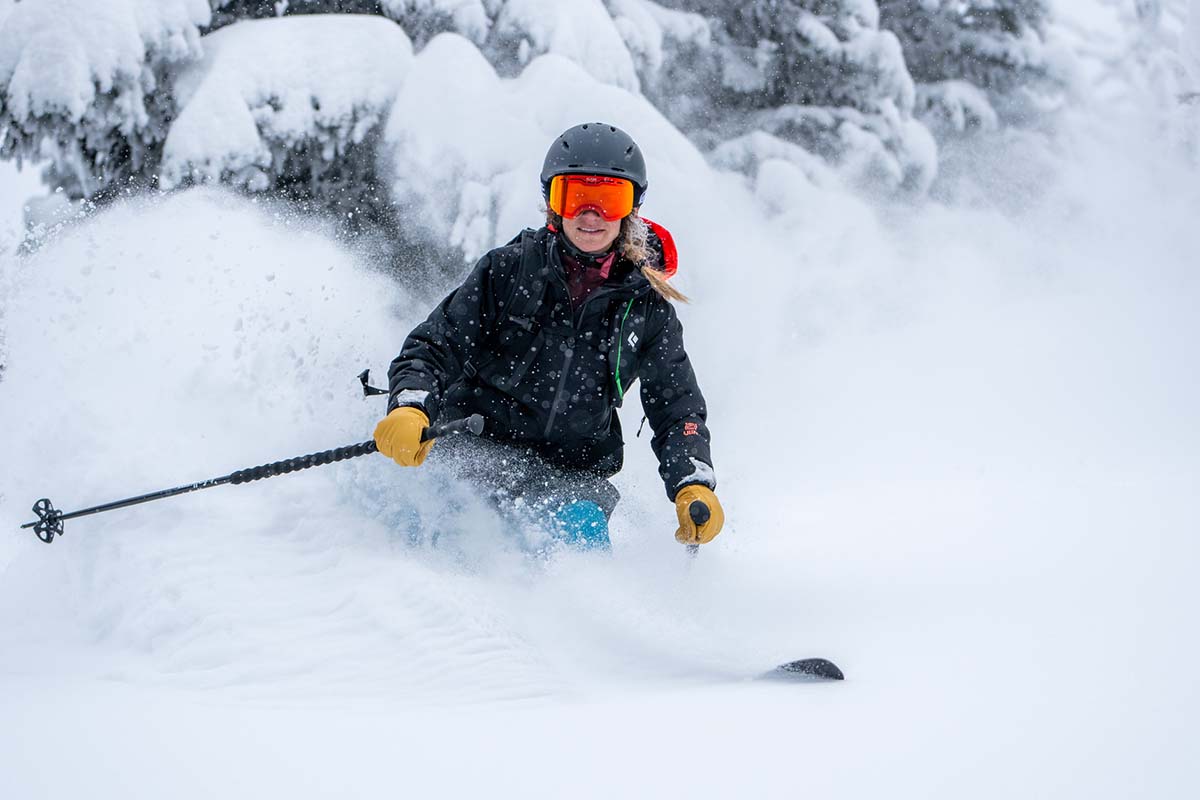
[50,520]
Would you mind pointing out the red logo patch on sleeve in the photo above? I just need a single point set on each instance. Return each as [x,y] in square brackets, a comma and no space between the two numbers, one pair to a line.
[691,429]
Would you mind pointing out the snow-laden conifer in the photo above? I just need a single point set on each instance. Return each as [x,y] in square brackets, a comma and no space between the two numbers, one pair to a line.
[818,73]
[975,62]
[291,105]
[87,85]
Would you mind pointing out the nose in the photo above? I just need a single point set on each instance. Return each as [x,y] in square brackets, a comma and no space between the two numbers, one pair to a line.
[589,215]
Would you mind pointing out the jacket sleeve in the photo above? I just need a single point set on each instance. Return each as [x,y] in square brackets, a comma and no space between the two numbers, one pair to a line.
[437,352]
[674,405]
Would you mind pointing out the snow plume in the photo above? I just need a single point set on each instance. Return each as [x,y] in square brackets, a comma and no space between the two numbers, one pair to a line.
[89,78]
[19,185]
[224,319]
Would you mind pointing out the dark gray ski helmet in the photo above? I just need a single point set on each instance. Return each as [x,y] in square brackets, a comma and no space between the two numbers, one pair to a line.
[596,148]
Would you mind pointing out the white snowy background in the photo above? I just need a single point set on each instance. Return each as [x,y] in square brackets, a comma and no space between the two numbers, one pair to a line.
[957,442]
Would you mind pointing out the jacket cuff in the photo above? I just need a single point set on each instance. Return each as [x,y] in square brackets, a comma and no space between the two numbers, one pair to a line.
[417,398]
[702,474]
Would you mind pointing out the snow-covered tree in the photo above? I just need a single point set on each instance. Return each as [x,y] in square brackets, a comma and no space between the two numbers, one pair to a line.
[511,33]
[132,94]
[973,60]
[293,106]
[171,92]
[424,19]
[226,12]
[86,85]
[1162,66]
[818,73]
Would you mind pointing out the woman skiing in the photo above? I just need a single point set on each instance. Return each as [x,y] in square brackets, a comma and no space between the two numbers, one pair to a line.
[545,337]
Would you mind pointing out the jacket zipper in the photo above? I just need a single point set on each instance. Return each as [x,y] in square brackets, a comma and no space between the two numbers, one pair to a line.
[562,377]
[570,355]
[562,381]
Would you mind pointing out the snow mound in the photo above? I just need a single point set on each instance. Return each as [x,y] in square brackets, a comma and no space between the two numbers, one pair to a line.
[266,87]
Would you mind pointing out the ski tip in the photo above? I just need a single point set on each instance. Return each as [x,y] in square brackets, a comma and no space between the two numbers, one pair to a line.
[808,669]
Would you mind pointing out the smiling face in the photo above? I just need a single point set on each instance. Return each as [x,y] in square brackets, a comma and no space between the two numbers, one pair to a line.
[591,232]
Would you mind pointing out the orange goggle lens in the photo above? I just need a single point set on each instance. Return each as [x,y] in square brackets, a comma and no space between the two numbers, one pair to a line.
[571,195]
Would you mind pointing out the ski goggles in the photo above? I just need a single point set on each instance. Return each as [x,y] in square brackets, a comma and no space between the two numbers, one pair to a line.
[571,195]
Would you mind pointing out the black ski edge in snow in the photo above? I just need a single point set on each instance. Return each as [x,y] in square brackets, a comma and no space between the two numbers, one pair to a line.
[813,669]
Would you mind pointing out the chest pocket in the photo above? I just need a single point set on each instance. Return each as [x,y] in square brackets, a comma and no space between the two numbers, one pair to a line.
[511,355]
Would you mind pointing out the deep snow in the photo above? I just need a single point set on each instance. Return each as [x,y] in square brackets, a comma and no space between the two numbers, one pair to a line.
[957,448]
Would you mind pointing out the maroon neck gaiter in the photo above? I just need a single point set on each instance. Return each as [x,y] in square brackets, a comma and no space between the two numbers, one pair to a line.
[583,279]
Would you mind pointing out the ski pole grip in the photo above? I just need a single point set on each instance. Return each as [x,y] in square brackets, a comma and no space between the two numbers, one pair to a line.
[472,424]
[699,512]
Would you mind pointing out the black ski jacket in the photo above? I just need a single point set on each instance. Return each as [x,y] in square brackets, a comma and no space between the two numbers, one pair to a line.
[507,344]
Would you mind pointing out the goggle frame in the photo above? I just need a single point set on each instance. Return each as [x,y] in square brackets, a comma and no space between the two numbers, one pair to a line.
[573,193]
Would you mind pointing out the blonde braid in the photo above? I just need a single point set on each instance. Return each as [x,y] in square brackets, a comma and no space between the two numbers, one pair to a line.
[633,244]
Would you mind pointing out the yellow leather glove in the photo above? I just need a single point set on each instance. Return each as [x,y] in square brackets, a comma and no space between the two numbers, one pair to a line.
[688,532]
[398,436]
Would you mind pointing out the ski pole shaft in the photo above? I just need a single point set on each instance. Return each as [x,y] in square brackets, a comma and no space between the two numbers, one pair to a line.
[50,520]
[472,424]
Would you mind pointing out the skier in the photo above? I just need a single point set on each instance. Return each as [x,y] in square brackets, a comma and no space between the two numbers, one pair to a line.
[545,337]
